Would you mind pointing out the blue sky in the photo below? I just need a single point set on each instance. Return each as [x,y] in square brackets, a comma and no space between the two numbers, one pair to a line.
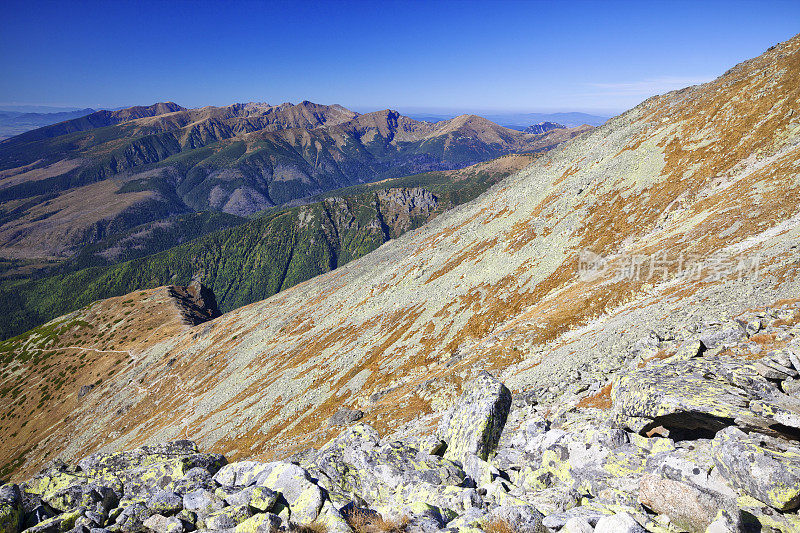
[600,57]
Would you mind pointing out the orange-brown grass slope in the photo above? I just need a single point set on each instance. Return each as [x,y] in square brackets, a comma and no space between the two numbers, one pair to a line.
[708,173]
[49,373]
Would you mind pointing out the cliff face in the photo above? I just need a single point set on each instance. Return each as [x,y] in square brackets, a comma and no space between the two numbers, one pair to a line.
[674,213]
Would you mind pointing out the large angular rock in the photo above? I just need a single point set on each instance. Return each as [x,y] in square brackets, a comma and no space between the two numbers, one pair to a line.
[94,497]
[165,503]
[689,507]
[133,517]
[152,477]
[202,501]
[521,518]
[474,424]
[229,517]
[765,468]
[241,473]
[260,523]
[303,496]
[162,524]
[695,398]
[358,465]
[146,455]
[193,479]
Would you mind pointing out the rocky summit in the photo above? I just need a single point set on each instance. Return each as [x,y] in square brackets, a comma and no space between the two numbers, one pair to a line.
[607,340]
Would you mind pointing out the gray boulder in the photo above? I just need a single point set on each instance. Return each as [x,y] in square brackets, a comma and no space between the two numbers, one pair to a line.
[229,517]
[521,518]
[161,524]
[765,468]
[688,399]
[303,496]
[474,424]
[689,507]
[10,508]
[133,517]
[618,523]
[345,416]
[165,503]
[358,466]
[202,501]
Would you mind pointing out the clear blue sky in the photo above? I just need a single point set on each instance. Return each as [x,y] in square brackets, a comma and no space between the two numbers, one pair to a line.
[522,56]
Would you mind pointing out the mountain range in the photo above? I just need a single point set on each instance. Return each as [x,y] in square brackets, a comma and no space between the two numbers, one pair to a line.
[73,183]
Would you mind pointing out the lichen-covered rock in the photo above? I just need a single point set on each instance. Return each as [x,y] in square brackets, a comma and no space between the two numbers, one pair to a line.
[259,498]
[241,473]
[193,479]
[697,397]
[125,460]
[61,523]
[304,497]
[521,518]
[165,503]
[98,498]
[162,524]
[152,477]
[10,518]
[202,501]
[359,466]
[689,507]
[133,517]
[765,468]
[259,523]
[228,517]
[475,422]
[10,508]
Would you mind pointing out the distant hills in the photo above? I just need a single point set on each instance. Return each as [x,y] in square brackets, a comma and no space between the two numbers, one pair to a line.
[16,120]
[520,121]
[542,127]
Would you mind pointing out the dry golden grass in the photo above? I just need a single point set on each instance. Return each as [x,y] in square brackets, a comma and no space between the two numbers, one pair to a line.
[313,527]
[362,522]
[499,526]
[601,400]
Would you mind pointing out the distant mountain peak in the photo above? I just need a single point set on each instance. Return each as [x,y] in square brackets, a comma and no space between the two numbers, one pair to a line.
[543,127]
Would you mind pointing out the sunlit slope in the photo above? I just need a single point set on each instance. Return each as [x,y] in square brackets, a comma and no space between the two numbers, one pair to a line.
[709,172]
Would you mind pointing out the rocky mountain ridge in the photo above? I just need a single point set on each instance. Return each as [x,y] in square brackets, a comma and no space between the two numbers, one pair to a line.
[80,181]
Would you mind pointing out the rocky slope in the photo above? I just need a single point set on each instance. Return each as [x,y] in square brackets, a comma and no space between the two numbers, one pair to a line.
[83,180]
[656,228]
[257,258]
[696,432]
